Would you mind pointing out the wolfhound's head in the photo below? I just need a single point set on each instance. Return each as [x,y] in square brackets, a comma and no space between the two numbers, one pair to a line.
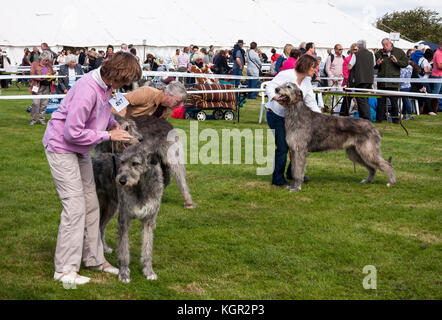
[287,94]
[136,162]
[130,126]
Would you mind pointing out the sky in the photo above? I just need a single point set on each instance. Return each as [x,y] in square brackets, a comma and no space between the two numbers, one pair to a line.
[372,9]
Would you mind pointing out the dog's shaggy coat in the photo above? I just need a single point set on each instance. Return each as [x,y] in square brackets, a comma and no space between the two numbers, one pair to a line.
[140,188]
[160,137]
[308,131]
[106,161]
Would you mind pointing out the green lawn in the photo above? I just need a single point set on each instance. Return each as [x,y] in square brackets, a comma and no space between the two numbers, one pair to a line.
[246,239]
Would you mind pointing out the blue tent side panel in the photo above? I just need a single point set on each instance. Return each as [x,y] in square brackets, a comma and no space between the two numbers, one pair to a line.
[433,46]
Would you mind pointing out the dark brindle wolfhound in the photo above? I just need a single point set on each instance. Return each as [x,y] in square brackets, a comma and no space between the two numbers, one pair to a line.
[309,131]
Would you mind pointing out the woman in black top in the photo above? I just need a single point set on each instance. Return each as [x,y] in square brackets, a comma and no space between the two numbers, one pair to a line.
[221,66]
[151,61]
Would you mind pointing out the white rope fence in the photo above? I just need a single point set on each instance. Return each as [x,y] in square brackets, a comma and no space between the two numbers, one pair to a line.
[14,69]
[318,90]
[14,77]
[148,74]
[396,80]
[60,96]
[200,75]
[222,76]
[394,93]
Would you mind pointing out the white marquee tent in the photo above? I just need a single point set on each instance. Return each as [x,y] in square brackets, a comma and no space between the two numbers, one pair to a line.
[169,24]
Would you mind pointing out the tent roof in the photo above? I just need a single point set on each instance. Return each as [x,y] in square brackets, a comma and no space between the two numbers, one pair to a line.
[270,23]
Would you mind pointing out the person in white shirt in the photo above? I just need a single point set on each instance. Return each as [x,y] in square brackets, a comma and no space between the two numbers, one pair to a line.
[334,66]
[61,60]
[425,65]
[72,72]
[301,76]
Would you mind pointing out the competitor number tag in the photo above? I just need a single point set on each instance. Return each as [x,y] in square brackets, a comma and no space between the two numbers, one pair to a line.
[35,89]
[119,102]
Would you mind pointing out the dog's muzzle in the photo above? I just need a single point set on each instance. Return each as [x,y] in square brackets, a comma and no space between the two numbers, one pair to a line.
[282,99]
[122,180]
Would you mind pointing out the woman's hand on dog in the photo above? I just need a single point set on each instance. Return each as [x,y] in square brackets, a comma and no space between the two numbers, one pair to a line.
[119,135]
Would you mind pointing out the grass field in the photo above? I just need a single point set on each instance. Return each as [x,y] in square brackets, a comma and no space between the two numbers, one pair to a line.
[246,239]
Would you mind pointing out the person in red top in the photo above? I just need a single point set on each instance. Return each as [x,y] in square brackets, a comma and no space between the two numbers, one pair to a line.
[274,56]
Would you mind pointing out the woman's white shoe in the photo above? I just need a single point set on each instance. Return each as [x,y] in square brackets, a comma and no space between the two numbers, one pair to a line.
[71,277]
[106,267]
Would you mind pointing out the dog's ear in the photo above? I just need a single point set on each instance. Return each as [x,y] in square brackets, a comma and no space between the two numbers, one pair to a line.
[154,158]
[299,95]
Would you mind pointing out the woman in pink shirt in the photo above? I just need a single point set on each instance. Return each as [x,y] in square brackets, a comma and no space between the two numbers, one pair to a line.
[353,49]
[80,123]
[344,107]
[437,73]
[290,63]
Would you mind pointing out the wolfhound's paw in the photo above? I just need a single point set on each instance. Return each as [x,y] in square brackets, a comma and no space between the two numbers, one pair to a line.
[295,189]
[390,184]
[150,275]
[365,181]
[189,205]
[124,280]
[124,276]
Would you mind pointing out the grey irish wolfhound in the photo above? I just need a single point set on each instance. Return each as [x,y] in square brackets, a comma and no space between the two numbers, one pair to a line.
[309,131]
[140,186]
[154,133]
[105,163]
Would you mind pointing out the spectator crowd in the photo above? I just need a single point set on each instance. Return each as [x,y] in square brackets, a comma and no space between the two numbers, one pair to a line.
[355,68]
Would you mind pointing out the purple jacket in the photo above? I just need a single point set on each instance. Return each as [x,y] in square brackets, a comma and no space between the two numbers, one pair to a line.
[81,121]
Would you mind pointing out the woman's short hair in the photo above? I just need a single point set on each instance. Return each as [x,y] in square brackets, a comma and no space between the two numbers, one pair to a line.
[46,55]
[71,58]
[122,67]
[253,45]
[198,56]
[273,51]
[295,53]
[304,64]
[176,89]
